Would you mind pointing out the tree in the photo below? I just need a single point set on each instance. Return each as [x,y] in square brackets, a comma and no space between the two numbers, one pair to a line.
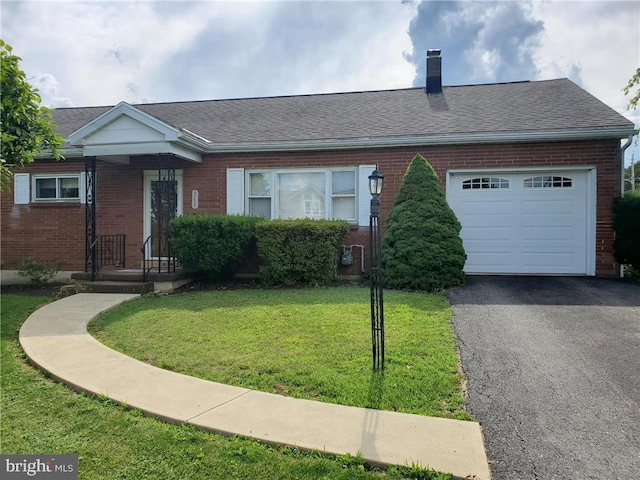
[26,126]
[626,224]
[421,246]
[635,80]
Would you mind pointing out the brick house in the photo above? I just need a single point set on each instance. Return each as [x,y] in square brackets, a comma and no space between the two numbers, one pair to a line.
[530,168]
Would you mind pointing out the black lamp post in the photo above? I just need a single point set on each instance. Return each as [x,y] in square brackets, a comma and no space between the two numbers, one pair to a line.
[375,247]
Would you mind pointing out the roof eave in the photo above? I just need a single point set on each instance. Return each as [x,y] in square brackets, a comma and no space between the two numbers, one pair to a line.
[203,146]
[426,140]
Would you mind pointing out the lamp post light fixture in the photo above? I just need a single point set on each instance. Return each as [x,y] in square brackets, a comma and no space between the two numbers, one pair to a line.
[376,179]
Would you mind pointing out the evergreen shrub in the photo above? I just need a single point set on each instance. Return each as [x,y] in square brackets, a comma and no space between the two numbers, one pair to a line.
[299,252]
[626,224]
[421,245]
[213,245]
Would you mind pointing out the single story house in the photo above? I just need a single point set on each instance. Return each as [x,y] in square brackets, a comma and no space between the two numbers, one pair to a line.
[530,168]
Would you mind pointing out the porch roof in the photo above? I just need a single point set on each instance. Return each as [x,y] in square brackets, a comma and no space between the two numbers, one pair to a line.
[506,112]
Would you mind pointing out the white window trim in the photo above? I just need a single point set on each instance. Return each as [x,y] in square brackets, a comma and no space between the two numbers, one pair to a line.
[274,182]
[57,177]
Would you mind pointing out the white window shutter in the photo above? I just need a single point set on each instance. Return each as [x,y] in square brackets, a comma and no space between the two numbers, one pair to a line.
[235,191]
[364,196]
[83,187]
[21,190]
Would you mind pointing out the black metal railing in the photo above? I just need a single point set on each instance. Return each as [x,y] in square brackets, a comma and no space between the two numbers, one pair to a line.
[111,250]
[157,256]
[106,250]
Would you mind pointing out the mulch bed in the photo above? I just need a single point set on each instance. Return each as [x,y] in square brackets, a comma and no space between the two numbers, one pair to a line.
[47,290]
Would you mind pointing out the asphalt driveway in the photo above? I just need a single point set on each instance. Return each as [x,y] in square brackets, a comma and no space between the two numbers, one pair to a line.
[553,366]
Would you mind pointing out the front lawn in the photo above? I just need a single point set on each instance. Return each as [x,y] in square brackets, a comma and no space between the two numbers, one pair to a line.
[113,442]
[306,343]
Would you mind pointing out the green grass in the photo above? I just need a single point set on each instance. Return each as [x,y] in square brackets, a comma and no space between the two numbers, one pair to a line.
[308,343]
[113,442]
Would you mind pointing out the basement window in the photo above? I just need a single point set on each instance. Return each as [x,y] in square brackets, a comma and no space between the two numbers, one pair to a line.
[52,188]
[547,181]
[482,183]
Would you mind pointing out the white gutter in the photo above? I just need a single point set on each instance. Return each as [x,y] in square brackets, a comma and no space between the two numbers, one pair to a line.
[423,140]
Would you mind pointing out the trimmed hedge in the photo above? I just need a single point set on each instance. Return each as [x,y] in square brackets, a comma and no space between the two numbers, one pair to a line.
[421,246]
[626,224]
[213,245]
[299,252]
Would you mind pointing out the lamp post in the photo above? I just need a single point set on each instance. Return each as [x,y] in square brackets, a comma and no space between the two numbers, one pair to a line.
[376,180]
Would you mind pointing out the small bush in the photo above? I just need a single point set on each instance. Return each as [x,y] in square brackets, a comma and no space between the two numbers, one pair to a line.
[38,272]
[626,224]
[299,252]
[421,246]
[213,245]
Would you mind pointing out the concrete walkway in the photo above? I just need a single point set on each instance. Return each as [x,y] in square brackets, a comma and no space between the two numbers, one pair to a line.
[55,339]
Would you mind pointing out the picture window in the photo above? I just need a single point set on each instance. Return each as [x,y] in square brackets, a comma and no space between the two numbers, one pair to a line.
[309,193]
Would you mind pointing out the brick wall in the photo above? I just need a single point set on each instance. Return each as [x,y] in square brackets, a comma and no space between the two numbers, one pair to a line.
[56,231]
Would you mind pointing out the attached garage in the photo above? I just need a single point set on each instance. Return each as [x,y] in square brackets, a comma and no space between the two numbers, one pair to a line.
[526,221]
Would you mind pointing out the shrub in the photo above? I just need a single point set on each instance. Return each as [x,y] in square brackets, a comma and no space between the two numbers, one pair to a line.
[299,252]
[421,246]
[38,272]
[213,245]
[626,224]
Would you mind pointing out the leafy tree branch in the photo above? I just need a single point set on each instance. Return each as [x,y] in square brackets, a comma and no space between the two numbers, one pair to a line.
[26,127]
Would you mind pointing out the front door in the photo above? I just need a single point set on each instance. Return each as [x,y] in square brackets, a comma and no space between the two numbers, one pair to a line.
[163,201]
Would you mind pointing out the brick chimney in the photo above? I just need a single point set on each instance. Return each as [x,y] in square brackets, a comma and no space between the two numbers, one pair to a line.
[434,71]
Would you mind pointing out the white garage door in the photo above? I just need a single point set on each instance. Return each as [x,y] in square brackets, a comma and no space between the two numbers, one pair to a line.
[534,222]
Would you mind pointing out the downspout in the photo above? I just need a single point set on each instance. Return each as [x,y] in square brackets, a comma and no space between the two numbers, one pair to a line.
[622,150]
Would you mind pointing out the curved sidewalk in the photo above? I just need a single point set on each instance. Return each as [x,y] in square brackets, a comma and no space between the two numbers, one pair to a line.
[55,339]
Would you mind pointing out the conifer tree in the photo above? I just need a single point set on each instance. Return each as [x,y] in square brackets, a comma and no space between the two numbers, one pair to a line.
[421,245]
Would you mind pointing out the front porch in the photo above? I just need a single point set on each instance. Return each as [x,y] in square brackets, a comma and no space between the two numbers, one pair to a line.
[132,190]
[114,261]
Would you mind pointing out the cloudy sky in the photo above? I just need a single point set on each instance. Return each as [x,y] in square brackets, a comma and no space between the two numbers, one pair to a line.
[100,53]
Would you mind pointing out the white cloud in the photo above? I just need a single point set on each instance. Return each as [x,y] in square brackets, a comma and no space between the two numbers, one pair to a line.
[48,87]
[596,44]
[101,53]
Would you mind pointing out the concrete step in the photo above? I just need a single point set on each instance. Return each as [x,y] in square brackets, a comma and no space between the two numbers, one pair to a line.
[110,286]
[132,274]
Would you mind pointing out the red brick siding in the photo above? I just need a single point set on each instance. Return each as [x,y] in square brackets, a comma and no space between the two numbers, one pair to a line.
[56,231]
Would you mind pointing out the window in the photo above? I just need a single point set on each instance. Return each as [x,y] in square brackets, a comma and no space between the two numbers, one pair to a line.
[260,195]
[56,187]
[547,182]
[311,193]
[485,183]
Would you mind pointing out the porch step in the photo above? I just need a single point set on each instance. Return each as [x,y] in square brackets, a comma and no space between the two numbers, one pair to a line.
[110,286]
[132,275]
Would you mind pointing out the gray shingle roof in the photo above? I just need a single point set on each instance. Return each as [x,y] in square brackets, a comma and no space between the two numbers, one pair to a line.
[540,106]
